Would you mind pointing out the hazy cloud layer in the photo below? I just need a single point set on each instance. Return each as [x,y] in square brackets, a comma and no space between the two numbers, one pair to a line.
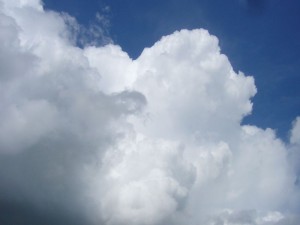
[90,136]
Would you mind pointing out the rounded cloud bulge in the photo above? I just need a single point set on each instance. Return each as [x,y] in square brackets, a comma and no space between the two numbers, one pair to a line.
[90,136]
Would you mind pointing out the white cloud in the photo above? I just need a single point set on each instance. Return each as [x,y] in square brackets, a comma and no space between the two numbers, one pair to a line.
[156,140]
[295,133]
[294,157]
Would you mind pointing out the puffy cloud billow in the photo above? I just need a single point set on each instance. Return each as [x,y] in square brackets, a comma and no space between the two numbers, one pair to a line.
[90,136]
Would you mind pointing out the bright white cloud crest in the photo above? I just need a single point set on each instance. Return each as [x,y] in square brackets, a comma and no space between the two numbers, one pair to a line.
[155,140]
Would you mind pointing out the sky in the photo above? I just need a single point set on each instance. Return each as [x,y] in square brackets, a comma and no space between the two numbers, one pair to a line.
[149,112]
[260,37]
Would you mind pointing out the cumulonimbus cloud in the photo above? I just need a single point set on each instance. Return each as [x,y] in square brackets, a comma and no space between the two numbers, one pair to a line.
[92,133]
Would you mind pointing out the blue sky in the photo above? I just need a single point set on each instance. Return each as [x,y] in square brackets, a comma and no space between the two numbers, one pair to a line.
[260,38]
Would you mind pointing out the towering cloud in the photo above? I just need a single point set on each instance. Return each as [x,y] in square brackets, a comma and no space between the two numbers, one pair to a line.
[91,136]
